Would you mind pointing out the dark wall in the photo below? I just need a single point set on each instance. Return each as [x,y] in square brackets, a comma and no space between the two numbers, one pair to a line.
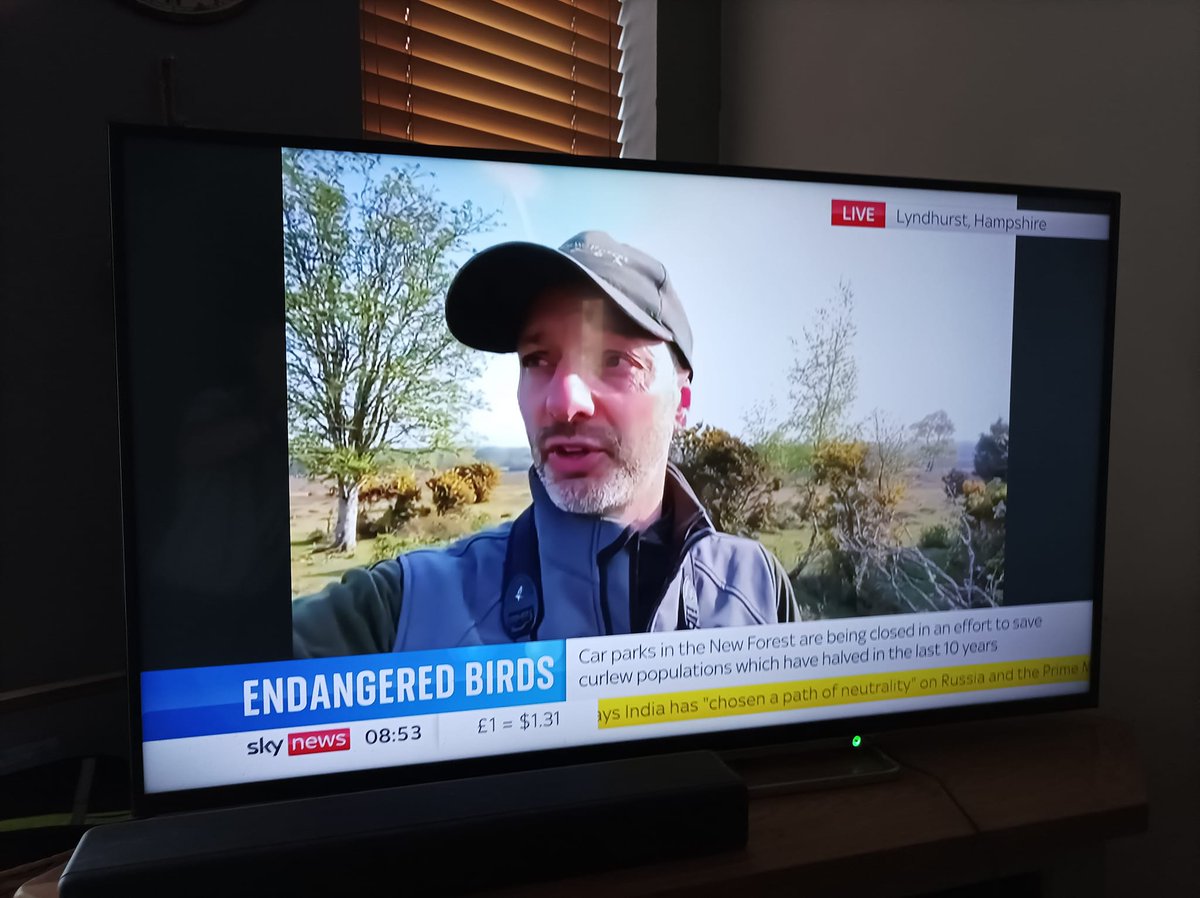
[689,80]
[67,69]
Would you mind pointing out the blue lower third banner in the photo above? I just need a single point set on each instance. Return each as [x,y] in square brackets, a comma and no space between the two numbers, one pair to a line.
[205,701]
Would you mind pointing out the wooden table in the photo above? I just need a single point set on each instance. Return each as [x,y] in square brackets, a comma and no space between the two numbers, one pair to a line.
[1029,792]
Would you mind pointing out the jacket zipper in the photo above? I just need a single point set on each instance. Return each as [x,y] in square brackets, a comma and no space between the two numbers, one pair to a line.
[688,544]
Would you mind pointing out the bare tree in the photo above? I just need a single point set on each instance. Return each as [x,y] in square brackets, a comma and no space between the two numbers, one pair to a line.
[934,434]
[889,454]
[824,376]
[913,580]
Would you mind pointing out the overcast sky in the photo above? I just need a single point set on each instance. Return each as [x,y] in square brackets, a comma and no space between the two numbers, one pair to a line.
[752,262]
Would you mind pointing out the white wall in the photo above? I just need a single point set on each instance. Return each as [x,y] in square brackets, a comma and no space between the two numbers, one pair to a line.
[1087,93]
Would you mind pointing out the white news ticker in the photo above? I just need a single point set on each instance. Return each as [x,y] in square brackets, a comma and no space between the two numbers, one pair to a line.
[1064,630]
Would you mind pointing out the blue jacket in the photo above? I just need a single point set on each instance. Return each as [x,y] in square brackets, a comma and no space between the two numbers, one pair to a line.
[454,596]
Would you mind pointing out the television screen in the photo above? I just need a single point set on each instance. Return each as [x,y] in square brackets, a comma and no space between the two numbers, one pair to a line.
[441,461]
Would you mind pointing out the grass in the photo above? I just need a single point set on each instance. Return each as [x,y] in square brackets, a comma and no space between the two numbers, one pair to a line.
[314,512]
[312,568]
[787,545]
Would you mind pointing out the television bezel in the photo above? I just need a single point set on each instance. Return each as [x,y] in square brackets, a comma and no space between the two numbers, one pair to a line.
[832,730]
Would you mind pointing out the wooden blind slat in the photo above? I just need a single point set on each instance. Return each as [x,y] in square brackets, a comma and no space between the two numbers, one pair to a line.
[387,84]
[503,122]
[599,28]
[512,74]
[383,121]
[609,10]
[505,21]
[393,36]
[593,19]
[435,25]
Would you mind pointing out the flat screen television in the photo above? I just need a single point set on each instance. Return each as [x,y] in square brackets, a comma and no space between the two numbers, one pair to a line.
[440,462]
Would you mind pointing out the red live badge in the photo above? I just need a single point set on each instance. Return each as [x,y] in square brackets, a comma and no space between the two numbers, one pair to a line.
[858,214]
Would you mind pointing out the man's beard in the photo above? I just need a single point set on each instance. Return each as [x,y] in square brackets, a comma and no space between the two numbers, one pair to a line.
[632,467]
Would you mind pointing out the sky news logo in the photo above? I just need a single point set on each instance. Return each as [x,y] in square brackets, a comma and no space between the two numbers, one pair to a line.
[858,214]
[317,741]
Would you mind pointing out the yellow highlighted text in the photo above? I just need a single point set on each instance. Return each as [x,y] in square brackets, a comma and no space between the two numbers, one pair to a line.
[697,704]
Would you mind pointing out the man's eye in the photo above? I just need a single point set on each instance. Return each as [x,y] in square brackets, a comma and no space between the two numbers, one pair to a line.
[615,360]
[533,360]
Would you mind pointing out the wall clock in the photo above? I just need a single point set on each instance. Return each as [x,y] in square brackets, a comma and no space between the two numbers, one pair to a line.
[189,10]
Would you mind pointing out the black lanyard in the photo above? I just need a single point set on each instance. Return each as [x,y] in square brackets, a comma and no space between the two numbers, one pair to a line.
[521,605]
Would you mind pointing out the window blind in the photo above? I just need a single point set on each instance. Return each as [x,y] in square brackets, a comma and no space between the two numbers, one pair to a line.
[502,74]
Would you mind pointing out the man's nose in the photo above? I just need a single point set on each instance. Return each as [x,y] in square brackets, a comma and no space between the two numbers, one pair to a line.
[569,397]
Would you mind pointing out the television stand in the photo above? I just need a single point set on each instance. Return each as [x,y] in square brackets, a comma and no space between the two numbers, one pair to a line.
[780,769]
[1043,794]
[433,838]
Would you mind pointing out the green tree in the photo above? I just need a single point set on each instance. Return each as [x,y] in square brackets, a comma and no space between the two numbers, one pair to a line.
[991,452]
[368,256]
[786,457]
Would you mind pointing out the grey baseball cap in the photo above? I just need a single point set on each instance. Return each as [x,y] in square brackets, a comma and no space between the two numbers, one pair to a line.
[489,298]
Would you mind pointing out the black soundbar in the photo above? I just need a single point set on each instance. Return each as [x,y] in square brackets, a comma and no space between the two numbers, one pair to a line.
[445,837]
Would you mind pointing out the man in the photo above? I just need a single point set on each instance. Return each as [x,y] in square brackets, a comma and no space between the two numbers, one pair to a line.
[615,540]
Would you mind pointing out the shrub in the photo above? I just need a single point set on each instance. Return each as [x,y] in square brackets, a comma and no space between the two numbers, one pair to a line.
[991,452]
[398,487]
[937,536]
[731,479]
[836,462]
[972,488]
[953,483]
[482,476]
[450,490]
[427,531]
[978,553]
[986,502]
[848,505]
[851,513]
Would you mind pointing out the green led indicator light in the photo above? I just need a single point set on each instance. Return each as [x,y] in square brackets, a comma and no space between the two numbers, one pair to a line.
[856,741]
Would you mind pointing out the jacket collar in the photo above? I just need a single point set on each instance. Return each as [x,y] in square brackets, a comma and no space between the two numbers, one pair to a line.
[563,533]
[579,557]
[690,516]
